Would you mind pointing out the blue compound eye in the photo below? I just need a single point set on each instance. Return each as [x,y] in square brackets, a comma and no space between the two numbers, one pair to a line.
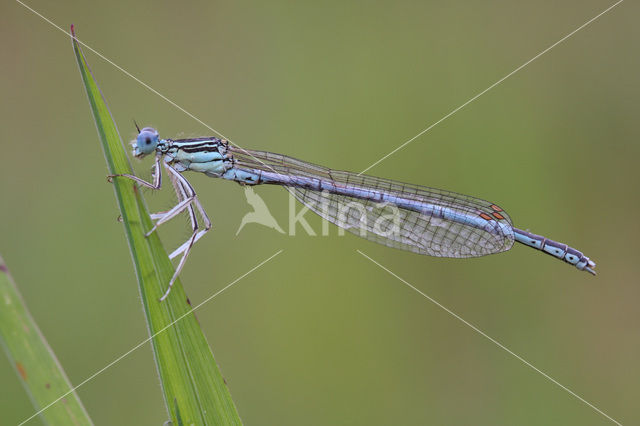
[146,141]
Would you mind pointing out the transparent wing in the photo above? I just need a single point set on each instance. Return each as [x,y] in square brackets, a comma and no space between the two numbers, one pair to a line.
[391,224]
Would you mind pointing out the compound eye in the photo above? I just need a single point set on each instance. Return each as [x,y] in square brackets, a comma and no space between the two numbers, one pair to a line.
[147,140]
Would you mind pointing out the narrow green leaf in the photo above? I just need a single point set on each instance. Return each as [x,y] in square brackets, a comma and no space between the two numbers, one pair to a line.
[191,381]
[36,364]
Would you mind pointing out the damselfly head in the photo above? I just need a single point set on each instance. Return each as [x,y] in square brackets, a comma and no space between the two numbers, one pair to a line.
[146,142]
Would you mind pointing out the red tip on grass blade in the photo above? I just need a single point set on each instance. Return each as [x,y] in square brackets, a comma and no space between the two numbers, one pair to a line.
[73,31]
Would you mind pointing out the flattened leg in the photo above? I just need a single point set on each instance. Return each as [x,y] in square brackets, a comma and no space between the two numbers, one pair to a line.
[188,198]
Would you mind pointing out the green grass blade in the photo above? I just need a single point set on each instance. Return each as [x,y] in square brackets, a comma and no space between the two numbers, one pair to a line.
[191,381]
[34,361]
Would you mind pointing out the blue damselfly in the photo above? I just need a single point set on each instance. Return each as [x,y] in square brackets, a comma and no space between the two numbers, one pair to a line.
[423,220]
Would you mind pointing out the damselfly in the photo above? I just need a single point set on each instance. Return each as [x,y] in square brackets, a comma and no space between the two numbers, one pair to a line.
[423,220]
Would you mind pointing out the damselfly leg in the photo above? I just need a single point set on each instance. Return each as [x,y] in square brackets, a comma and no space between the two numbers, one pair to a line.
[187,198]
[155,175]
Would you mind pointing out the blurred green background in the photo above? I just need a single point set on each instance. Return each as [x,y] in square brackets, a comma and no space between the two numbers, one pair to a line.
[320,335]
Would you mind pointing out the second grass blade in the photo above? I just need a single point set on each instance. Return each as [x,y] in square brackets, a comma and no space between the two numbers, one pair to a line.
[38,369]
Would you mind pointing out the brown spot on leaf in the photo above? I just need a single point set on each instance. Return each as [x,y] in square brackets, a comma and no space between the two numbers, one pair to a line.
[3,267]
[47,385]
[21,370]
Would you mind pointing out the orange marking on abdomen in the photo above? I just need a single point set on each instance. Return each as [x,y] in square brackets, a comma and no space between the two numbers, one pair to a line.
[485,216]
[496,208]
[498,216]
